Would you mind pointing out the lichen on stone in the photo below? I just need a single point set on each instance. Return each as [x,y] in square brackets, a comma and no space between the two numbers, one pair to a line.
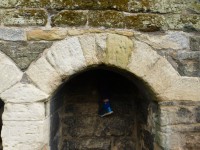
[145,22]
[70,18]
[108,19]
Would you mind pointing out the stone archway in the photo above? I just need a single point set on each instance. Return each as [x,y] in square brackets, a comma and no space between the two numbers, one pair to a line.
[75,123]
[65,58]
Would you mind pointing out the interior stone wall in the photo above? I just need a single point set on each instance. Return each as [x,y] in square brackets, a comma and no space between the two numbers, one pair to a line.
[43,43]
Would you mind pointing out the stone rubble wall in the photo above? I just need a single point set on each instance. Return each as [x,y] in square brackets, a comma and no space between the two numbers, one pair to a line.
[37,37]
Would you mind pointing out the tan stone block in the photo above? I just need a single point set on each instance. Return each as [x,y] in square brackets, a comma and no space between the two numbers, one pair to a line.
[119,50]
[168,40]
[22,93]
[161,76]
[142,59]
[44,75]
[49,35]
[88,44]
[184,88]
[9,73]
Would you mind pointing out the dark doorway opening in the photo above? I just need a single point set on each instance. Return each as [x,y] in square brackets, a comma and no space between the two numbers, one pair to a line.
[75,124]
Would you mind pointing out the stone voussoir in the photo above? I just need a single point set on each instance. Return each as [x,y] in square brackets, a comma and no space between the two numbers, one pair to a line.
[66,56]
[144,56]
[44,75]
[23,93]
[48,35]
[119,50]
[161,76]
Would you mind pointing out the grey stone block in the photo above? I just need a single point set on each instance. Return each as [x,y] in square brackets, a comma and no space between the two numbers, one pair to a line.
[12,34]
[195,43]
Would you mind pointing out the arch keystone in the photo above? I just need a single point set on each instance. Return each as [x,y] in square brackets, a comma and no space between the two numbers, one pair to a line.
[119,50]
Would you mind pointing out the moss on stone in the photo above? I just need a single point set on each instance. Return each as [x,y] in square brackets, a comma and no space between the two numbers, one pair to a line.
[145,22]
[139,6]
[179,22]
[119,5]
[32,4]
[69,18]
[108,19]
[25,17]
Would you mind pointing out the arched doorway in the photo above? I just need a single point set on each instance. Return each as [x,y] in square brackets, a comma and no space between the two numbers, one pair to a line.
[75,123]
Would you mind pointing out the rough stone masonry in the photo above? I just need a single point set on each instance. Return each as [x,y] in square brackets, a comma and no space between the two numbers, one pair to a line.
[44,43]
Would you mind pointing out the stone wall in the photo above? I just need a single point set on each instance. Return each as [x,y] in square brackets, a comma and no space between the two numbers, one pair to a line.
[19,18]
[43,43]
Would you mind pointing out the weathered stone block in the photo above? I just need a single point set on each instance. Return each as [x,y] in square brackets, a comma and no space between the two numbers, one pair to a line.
[69,18]
[82,126]
[195,43]
[197,114]
[121,5]
[9,74]
[44,75]
[23,53]
[25,112]
[16,133]
[145,22]
[32,4]
[119,50]
[125,143]
[168,40]
[12,34]
[174,6]
[90,5]
[177,115]
[25,17]
[48,35]
[70,50]
[184,88]
[23,93]
[192,141]
[139,6]
[189,68]
[88,44]
[7,3]
[183,21]
[144,56]
[108,19]
[87,108]
[185,55]
[87,143]
[114,126]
